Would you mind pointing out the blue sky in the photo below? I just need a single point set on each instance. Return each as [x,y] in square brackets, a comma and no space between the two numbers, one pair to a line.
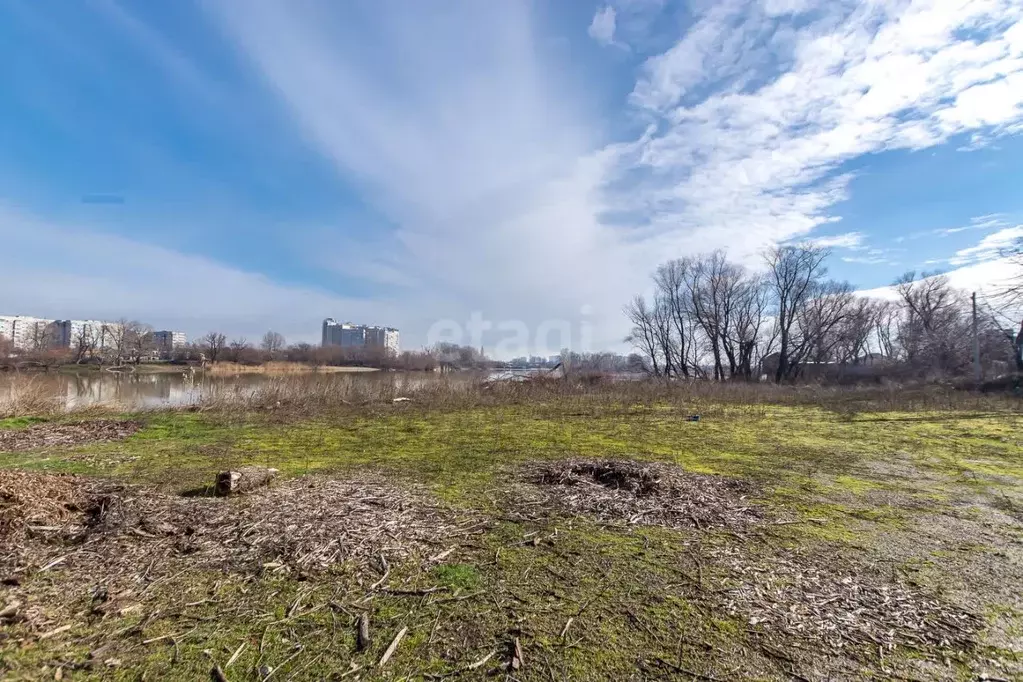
[202,166]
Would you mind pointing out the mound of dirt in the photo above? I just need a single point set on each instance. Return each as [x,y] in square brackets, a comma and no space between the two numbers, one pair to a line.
[67,434]
[643,492]
[118,534]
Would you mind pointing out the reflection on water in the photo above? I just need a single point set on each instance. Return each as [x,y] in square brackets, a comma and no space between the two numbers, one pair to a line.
[155,390]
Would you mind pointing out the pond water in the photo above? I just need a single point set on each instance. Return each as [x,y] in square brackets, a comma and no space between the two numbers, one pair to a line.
[149,390]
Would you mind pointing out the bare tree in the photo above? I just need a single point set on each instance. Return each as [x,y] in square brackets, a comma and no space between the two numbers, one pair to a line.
[83,343]
[934,330]
[117,339]
[213,345]
[138,339]
[793,272]
[747,328]
[272,343]
[644,334]
[675,335]
[1007,306]
[856,332]
[237,349]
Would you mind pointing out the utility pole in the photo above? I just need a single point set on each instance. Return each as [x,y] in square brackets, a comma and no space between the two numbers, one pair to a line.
[976,342]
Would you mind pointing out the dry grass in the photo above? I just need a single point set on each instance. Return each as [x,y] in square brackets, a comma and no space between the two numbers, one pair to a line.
[305,396]
[26,395]
[279,367]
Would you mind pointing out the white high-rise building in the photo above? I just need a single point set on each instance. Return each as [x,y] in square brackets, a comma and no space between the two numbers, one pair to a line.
[348,335]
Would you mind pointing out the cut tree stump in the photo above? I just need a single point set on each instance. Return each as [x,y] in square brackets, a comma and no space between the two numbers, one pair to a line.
[243,479]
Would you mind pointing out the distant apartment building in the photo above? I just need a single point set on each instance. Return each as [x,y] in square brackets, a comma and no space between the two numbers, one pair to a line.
[29,333]
[166,342]
[94,337]
[348,335]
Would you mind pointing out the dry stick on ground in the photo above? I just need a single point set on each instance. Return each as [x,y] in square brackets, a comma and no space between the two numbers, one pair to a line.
[517,658]
[363,639]
[217,674]
[235,655]
[391,649]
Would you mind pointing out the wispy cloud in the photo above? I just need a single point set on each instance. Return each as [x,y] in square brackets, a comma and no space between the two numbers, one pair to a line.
[755,115]
[990,247]
[984,222]
[602,28]
[849,240]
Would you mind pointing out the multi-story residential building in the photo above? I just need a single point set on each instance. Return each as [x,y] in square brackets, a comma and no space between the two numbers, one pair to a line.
[94,335]
[348,335]
[166,342]
[29,333]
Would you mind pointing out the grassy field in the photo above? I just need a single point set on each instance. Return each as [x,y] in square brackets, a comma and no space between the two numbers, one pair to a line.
[881,543]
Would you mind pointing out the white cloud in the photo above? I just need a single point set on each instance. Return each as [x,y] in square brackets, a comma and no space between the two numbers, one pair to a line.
[753,157]
[602,28]
[988,279]
[984,222]
[991,246]
[849,240]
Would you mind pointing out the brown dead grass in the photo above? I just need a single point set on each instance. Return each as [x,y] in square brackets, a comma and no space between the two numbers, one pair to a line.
[279,368]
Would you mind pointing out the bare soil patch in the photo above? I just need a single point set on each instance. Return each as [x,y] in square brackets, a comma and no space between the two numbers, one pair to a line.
[66,434]
[644,493]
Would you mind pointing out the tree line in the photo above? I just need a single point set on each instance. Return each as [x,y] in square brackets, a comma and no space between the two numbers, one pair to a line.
[711,318]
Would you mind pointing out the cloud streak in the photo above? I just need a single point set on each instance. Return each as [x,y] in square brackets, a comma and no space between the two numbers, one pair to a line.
[990,247]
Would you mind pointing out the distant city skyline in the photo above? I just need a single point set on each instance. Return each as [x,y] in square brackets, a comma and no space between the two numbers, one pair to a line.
[27,332]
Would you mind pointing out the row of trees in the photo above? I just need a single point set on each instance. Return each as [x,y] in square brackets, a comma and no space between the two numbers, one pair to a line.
[215,347]
[713,318]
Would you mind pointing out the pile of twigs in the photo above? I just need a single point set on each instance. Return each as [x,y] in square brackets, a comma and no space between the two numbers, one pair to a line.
[31,502]
[129,534]
[795,595]
[643,493]
[66,434]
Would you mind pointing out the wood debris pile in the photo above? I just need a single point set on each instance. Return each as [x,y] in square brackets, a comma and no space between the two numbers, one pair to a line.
[644,493]
[129,533]
[792,594]
[38,503]
[67,434]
